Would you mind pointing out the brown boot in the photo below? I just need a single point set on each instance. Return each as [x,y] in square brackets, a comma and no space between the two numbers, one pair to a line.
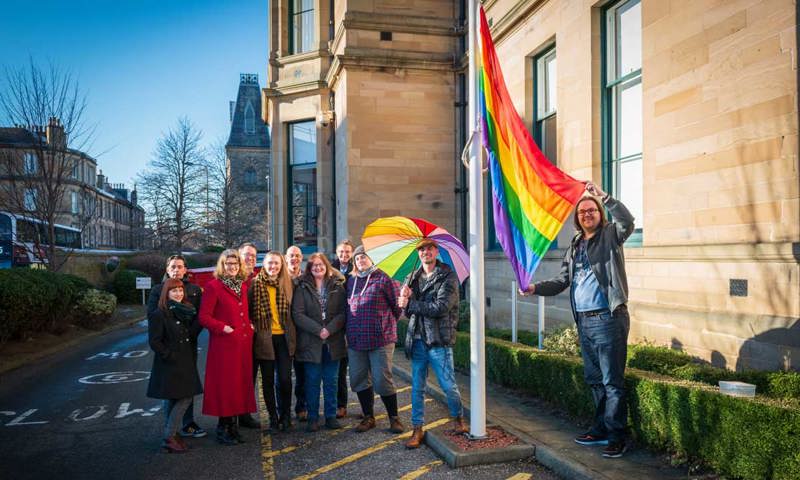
[172,445]
[457,425]
[367,424]
[416,438]
[395,426]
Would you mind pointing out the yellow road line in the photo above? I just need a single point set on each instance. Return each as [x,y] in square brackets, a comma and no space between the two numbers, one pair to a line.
[520,476]
[368,451]
[267,466]
[330,433]
[420,471]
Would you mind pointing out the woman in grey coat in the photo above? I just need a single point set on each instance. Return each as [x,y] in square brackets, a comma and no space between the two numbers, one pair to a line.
[318,310]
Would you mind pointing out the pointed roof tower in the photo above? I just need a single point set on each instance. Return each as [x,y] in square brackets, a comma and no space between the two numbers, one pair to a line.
[247,128]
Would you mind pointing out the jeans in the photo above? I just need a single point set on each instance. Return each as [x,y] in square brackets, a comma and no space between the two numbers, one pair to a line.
[174,413]
[326,372]
[441,360]
[283,365]
[604,347]
[188,417]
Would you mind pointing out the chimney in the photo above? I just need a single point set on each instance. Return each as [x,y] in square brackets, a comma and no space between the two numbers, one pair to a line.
[55,134]
[134,195]
[101,180]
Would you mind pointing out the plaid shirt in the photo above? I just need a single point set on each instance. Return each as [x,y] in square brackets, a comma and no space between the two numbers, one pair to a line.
[372,312]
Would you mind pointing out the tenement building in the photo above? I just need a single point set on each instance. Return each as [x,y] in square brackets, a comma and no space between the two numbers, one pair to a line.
[39,171]
[685,110]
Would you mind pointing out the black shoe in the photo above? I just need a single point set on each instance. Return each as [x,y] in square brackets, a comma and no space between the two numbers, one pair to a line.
[247,421]
[274,426]
[614,449]
[589,440]
[234,430]
[224,436]
[284,423]
[332,424]
[192,430]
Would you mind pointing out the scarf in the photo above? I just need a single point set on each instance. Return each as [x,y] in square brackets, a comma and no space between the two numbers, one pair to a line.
[261,298]
[234,284]
[366,272]
[182,311]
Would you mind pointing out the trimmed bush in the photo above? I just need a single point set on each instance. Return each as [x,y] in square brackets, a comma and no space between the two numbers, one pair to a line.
[201,260]
[33,300]
[124,286]
[94,308]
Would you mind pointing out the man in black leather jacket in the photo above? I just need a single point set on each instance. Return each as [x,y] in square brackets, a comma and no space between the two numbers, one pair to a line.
[431,302]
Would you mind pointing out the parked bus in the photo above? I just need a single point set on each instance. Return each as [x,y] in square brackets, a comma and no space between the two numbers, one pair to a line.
[19,234]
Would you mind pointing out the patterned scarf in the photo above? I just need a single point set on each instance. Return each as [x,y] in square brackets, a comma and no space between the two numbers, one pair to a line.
[261,298]
[234,284]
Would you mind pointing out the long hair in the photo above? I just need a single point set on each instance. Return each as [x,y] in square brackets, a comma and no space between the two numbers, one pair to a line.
[600,208]
[171,284]
[284,280]
[330,272]
[219,272]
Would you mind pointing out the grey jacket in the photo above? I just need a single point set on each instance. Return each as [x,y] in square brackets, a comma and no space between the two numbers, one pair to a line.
[308,320]
[435,305]
[606,256]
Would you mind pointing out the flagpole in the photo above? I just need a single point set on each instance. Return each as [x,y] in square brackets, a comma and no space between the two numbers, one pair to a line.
[476,293]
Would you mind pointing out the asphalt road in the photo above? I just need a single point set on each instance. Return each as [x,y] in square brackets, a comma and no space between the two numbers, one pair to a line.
[83,414]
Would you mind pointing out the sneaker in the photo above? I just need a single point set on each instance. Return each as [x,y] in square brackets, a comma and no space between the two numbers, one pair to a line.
[192,430]
[589,439]
[332,424]
[615,449]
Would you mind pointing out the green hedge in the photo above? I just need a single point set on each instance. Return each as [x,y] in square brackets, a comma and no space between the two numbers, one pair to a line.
[93,308]
[33,300]
[124,286]
[749,439]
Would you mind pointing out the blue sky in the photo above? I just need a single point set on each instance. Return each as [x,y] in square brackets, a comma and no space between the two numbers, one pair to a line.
[142,63]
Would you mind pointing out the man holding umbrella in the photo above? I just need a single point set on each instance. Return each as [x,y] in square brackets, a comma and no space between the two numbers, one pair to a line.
[430,300]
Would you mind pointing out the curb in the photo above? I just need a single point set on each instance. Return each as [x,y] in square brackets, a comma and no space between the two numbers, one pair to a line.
[34,357]
[546,456]
[457,458]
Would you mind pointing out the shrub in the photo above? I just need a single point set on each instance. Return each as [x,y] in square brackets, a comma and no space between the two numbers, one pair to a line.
[124,286]
[201,260]
[93,308]
[563,340]
[151,263]
[463,316]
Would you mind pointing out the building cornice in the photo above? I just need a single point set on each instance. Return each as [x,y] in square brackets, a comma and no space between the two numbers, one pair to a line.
[294,88]
[281,62]
[387,22]
[515,16]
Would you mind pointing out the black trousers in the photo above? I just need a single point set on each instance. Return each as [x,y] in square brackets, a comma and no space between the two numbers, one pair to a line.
[341,392]
[283,366]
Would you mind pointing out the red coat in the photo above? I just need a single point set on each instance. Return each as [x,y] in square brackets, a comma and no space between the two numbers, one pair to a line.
[229,364]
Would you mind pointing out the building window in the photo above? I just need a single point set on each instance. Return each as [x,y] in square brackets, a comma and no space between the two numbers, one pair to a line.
[29,199]
[73,196]
[76,170]
[301,26]
[544,103]
[30,163]
[249,119]
[250,179]
[622,107]
[303,184]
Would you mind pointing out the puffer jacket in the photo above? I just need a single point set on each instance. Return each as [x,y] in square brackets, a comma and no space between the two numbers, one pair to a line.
[434,307]
[308,320]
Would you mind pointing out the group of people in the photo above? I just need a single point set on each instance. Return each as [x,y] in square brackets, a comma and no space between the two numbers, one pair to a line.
[319,321]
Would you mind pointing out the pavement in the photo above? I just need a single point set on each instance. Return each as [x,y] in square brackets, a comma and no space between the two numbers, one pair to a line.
[551,434]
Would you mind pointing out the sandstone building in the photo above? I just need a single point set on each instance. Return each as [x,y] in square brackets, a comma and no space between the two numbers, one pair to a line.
[685,110]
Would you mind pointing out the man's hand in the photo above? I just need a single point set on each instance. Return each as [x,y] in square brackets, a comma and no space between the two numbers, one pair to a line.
[528,291]
[405,291]
[402,301]
[594,190]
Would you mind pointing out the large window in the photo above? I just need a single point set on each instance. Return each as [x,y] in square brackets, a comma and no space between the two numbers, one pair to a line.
[29,199]
[622,105]
[301,26]
[545,106]
[30,163]
[303,184]
[73,196]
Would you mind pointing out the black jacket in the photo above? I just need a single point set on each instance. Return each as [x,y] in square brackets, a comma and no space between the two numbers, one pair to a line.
[308,320]
[174,373]
[434,307]
[335,263]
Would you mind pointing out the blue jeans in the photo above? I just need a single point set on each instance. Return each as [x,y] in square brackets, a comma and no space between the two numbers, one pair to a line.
[441,360]
[604,347]
[188,416]
[326,372]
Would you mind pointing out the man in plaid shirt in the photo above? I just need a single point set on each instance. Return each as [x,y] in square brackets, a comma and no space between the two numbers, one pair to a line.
[371,331]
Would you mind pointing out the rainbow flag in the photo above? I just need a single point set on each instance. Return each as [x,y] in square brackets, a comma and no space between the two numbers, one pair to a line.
[531,198]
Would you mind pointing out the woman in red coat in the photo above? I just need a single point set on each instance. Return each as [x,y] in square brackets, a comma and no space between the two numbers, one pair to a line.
[229,388]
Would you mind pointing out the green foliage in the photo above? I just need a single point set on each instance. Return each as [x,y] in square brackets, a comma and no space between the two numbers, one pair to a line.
[33,300]
[201,260]
[124,286]
[213,249]
[463,316]
[563,340]
[152,263]
[93,308]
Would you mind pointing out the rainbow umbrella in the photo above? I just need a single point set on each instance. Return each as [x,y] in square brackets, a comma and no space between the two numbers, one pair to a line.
[391,243]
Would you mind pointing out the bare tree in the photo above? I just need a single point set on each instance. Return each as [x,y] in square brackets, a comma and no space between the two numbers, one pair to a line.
[229,221]
[173,184]
[48,108]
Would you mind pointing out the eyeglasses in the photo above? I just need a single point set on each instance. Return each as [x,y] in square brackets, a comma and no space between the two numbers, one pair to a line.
[588,211]
[232,264]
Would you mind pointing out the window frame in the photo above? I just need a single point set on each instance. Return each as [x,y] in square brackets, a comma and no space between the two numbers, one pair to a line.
[612,85]
[311,209]
[293,18]
[30,163]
